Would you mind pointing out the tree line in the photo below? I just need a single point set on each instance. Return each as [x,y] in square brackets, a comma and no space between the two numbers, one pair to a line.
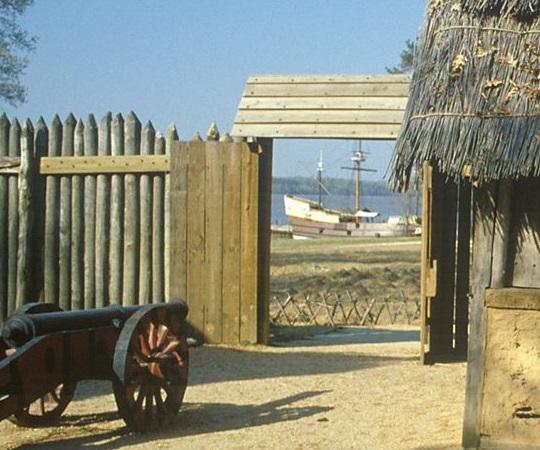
[336,186]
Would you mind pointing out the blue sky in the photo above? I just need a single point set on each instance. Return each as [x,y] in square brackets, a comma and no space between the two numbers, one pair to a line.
[187,61]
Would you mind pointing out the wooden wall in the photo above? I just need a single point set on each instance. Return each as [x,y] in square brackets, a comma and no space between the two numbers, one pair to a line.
[85,212]
[215,248]
[506,254]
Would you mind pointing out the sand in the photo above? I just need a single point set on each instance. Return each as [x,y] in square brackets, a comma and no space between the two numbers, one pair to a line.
[352,388]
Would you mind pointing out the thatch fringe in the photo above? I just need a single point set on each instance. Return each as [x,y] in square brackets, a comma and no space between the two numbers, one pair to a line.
[475,92]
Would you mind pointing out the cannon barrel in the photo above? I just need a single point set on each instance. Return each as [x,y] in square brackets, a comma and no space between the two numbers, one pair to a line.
[21,328]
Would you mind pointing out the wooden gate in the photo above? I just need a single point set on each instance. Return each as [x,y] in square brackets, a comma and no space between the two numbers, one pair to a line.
[215,250]
[446,234]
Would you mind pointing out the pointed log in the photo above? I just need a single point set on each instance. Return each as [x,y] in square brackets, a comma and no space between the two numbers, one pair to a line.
[26,182]
[102,216]
[131,215]
[13,226]
[213,132]
[158,272]
[117,216]
[64,288]
[77,226]
[145,256]
[171,136]
[4,151]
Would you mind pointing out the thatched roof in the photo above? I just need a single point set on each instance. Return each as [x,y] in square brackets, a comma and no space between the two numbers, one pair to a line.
[475,92]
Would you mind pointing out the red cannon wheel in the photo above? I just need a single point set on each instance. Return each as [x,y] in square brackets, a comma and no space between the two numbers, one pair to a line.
[151,362]
[46,410]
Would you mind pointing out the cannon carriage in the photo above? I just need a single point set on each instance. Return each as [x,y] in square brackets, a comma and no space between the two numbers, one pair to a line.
[45,352]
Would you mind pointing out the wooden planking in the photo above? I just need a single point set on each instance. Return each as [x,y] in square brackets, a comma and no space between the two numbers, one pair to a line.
[324,103]
[484,210]
[214,200]
[13,226]
[264,239]
[104,164]
[196,234]
[287,79]
[322,130]
[249,243]
[231,243]
[252,116]
[350,89]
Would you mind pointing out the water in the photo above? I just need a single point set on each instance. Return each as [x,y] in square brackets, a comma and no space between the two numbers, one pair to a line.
[390,205]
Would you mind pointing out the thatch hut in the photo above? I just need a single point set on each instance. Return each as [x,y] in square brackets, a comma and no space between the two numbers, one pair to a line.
[473,119]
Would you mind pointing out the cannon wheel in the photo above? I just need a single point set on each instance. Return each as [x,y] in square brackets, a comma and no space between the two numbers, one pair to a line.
[46,410]
[151,362]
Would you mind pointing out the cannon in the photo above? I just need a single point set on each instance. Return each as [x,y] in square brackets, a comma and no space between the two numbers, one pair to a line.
[45,352]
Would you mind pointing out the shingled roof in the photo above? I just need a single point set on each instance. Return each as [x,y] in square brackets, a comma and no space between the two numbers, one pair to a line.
[475,92]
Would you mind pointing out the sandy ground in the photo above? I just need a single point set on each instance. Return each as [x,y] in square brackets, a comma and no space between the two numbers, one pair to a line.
[347,389]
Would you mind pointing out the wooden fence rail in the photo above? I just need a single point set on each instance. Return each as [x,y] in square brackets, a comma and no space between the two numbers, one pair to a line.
[84,212]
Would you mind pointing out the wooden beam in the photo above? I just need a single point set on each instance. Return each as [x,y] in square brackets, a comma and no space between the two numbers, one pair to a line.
[329,79]
[320,103]
[350,89]
[66,165]
[254,116]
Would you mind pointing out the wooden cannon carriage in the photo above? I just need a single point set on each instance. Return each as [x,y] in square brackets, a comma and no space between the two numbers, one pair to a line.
[141,349]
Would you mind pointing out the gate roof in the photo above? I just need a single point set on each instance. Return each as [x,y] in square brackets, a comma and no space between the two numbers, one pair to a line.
[322,106]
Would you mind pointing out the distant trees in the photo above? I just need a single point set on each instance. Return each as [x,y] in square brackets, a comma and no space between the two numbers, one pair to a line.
[13,40]
[406,59]
[336,186]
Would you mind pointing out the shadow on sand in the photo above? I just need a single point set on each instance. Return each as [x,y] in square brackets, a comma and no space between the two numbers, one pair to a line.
[194,419]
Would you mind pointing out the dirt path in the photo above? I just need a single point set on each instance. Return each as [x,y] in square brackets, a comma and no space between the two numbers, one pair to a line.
[349,389]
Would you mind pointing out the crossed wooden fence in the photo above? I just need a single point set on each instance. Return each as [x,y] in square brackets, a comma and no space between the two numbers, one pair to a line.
[335,309]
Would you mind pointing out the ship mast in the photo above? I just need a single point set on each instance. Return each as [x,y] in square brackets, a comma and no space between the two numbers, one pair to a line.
[357,158]
[320,169]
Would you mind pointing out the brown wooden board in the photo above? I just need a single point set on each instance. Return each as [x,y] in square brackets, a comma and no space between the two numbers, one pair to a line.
[214,209]
[249,244]
[196,234]
[231,243]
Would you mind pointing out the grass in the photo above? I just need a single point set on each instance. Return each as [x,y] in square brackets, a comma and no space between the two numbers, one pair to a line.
[367,267]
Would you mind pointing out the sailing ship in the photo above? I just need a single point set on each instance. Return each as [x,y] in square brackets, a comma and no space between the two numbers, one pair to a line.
[309,219]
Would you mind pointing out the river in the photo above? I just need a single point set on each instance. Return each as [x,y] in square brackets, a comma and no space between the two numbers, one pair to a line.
[386,205]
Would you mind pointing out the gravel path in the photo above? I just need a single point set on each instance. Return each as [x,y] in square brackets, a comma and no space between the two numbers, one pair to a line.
[349,389]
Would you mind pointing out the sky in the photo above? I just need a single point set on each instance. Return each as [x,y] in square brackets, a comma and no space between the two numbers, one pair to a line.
[187,61]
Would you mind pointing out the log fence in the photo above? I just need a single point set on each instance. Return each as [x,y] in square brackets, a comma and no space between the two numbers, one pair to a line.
[341,308]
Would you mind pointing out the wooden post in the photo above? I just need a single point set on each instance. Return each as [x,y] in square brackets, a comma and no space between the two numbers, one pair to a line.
[117,219]
[52,219]
[145,257]
[426,274]
[485,212]
[27,175]
[90,149]
[131,216]
[264,239]
[77,230]
[65,219]
[41,149]
[463,267]
[212,289]
[170,137]
[4,151]
[158,224]
[13,227]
